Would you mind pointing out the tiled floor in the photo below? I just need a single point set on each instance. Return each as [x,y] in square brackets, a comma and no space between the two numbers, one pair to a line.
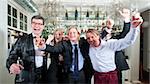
[137,82]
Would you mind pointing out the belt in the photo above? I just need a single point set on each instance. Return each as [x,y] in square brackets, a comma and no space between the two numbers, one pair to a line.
[78,71]
[39,70]
[110,72]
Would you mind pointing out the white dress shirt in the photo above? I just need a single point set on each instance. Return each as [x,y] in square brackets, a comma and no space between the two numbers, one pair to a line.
[103,57]
[38,55]
[80,57]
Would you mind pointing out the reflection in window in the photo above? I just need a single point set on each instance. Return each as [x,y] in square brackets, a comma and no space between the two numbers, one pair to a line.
[23,22]
[25,19]
[14,12]
[21,25]
[21,16]
[9,21]
[9,10]
[25,27]
[15,23]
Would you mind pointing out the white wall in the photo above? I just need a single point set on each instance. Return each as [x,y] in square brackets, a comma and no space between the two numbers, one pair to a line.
[5,78]
[146,42]
[134,53]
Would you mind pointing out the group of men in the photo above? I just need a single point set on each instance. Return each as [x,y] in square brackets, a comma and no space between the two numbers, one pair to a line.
[83,58]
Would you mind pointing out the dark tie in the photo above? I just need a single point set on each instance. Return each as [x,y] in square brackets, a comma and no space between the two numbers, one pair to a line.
[76,73]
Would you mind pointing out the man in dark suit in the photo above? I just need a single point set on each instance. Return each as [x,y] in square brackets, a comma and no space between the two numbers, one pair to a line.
[77,64]
[33,64]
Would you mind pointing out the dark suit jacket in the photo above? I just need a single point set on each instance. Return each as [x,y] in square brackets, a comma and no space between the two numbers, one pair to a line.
[65,48]
[24,48]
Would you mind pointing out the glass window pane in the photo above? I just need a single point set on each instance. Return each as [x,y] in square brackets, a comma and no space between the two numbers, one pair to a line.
[21,16]
[14,22]
[25,19]
[9,21]
[21,25]
[9,9]
[14,12]
[25,27]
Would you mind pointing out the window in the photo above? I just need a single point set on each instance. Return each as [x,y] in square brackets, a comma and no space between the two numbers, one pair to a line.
[14,12]
[16,19]
[9,20]
[21,16]
[9,15]
[12,16]
[14,22]
[21,25]
[9,10]
[23,22]
[17,24]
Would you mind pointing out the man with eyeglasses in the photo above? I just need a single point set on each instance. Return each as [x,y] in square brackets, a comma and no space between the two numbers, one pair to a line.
[25,60]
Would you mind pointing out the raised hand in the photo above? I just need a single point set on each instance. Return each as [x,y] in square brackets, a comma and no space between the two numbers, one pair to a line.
[39,42]
[136,20]
[50,38]
[125,13]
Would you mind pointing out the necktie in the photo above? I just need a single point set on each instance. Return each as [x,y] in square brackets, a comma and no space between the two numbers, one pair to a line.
[76,73]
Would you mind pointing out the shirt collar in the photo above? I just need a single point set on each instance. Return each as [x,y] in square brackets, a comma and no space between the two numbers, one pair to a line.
[72,43]
[34,35]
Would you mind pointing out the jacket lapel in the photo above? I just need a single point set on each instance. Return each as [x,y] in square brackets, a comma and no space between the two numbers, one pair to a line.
[31,45]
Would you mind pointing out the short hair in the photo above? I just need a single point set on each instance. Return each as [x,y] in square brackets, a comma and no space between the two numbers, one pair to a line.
[111,21]
[37,17]
[93,31]
[73,27]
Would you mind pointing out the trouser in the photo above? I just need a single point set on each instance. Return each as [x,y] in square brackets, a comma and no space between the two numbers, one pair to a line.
[119,73]
[38,75]
[70,78]
[106,77]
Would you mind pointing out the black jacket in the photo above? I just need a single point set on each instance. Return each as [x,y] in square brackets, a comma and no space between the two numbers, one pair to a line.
[65,48]
[24,48]
[120,59]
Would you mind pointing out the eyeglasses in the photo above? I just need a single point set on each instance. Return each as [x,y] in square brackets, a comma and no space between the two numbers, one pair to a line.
[37,23]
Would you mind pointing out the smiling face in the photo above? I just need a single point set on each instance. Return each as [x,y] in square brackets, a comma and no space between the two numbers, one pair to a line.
[37,26]
[58,35]
[73,34]
[93,37]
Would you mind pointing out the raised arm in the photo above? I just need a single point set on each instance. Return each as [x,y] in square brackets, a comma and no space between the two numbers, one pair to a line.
[58,48]
[125,13]
[126,29]
[129,38]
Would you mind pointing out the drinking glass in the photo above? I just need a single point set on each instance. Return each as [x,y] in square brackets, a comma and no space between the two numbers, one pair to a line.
[19,77]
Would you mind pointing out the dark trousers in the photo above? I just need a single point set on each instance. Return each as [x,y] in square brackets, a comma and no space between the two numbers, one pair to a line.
[106,77]
[70,79]
[119,73]
[55,74]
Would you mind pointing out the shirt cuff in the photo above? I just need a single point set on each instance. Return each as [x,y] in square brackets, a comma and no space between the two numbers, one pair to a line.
[42,48]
